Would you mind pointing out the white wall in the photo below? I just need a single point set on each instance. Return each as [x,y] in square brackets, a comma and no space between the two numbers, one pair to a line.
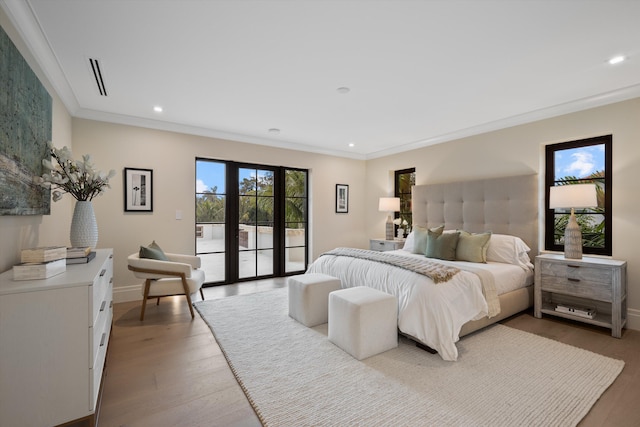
[519,150]
[18,232]
[172,158]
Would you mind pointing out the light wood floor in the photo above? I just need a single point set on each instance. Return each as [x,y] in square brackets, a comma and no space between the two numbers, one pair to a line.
[169,371]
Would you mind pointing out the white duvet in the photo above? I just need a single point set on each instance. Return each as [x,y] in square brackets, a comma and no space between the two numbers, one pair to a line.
[431,313]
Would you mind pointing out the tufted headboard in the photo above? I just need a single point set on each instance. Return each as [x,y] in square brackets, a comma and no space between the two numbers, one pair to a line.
[501,205]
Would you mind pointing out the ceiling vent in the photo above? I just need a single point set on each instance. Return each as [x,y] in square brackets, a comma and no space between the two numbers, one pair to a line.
[97,74]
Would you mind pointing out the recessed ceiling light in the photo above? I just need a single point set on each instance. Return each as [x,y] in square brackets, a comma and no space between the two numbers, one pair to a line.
[617,60]
[274,131]
[351,144]
[157,109]
[343,90]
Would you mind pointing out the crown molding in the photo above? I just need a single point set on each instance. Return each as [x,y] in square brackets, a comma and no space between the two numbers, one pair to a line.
[23,19]
[587,103]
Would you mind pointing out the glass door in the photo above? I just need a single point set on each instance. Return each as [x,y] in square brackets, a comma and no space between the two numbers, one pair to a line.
[211,216]
[255,223]
[251,220]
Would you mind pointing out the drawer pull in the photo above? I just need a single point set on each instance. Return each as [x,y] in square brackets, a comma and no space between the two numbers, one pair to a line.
[104,336]
[102,306]
[111,304]
[103,272]
[573,266]
[381,243]
[111,280]
[572,280]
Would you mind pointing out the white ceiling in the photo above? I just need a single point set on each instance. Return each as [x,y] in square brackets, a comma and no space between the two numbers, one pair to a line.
[419,72]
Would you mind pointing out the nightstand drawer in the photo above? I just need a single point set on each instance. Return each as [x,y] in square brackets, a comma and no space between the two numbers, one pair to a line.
[385,245]
[576,286]
[574,271]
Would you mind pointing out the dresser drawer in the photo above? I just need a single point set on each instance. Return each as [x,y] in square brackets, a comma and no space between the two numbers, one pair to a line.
[97,332]
[101,289]
[101,325]
[95,373]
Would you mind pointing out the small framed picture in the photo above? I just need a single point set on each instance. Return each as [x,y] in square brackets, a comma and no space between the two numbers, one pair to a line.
[138,186]
[342,198]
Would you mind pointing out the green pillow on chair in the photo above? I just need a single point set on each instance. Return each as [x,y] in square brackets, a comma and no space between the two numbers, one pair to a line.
[153,251]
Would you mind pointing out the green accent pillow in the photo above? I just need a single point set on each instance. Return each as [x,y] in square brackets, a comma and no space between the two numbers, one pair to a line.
[420,238]
[153,251]
[472,247]
[442,246]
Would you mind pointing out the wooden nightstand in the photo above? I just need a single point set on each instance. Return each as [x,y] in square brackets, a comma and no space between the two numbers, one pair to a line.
[383,245]
[589,282]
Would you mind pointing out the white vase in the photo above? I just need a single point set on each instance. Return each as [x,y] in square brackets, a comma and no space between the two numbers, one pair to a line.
[84,228]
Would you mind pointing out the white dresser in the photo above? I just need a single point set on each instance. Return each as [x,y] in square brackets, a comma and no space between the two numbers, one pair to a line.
[53,344]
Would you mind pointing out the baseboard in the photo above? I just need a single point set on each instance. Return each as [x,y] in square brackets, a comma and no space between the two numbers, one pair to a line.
[127,293]
[633,319]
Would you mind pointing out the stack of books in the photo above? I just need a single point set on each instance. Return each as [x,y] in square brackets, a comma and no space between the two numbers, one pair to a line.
[79,255]
[586,312]
[40,263]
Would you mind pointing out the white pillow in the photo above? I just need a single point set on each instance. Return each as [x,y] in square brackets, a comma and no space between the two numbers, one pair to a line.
[510,250]
[409,242]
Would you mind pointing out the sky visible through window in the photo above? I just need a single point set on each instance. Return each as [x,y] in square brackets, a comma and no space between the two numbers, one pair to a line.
[579,162]
[210,175]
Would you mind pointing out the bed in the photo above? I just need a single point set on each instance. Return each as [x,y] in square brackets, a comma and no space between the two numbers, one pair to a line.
[437,315]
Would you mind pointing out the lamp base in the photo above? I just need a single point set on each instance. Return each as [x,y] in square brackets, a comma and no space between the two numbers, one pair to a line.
[389,229]
[572,239]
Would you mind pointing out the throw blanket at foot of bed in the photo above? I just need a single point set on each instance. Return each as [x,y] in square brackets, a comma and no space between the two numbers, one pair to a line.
[437,272]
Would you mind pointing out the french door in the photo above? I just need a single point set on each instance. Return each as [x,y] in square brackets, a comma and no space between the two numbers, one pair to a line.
[251,220]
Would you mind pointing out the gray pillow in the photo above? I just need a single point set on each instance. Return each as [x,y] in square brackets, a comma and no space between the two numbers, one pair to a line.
[442,246]
[472,247]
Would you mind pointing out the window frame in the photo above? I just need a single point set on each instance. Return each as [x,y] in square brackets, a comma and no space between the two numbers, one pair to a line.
[407,214]
[550,180]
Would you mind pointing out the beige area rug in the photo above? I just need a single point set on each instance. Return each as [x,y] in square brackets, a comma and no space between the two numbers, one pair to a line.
[293,375]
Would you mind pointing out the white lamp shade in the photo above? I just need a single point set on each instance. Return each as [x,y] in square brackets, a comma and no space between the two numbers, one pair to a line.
[573,196]
[389,204]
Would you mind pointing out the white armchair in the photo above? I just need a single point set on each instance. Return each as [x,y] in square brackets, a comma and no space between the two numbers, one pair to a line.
[178,276]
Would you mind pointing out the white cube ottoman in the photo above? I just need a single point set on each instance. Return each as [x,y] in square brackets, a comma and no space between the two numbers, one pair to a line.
[363,321]
[309,297]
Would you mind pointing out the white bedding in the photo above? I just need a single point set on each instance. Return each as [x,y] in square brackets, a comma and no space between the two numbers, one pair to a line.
[433,314]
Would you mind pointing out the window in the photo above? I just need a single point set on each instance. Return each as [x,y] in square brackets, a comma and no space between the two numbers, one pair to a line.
[580,162]
[404,180]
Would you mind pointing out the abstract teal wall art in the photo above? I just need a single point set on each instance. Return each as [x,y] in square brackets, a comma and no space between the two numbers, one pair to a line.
[25,128]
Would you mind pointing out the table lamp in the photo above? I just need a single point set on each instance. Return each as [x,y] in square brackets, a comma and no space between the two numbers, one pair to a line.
[573,196]
[389,204]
